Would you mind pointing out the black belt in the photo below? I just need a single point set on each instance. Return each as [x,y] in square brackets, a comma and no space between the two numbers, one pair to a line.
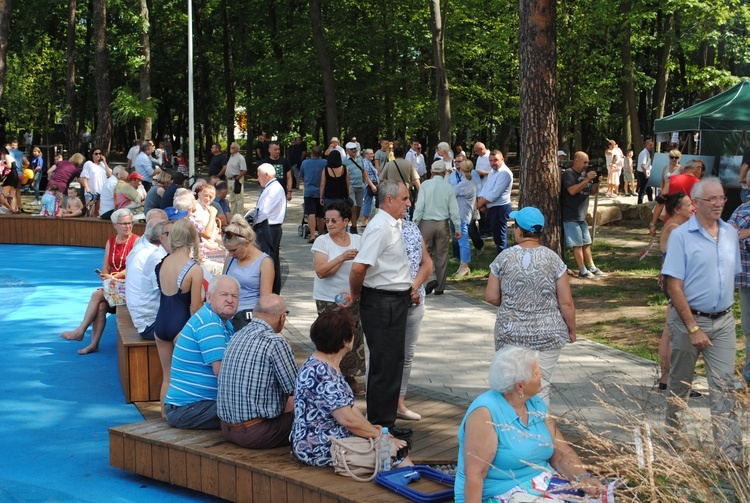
[711,316]
[388,293]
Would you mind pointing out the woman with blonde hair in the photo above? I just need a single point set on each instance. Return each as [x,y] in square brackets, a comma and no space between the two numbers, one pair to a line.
[466,195]
[673,168]
[180,279]
[252,268]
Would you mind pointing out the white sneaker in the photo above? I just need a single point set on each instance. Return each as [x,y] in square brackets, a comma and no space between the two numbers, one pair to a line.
[36,203]
[595,270]
[586,275]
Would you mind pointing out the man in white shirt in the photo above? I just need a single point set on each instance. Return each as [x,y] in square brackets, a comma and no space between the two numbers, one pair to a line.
[643,171]
[271,210]
[381,282]
[133,153]
[334,145]
[143,305]
[483,168]
[414,156]
[107,199]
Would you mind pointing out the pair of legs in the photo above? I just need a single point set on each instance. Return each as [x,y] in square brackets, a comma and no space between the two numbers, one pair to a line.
[357,198]
[96,313]
[642,188]
[437,237]
[165,350]
[719,360]
[578,237]
[367,207]
[413,326]
[315,215]
[498,219]
[613,189]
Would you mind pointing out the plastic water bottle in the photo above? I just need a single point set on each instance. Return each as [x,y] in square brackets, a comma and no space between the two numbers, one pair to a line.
[384,455]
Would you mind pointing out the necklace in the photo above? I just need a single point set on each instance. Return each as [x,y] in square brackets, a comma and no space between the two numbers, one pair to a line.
[118,267]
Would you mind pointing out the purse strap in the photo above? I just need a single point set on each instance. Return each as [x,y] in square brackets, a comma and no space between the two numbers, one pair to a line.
[374,446]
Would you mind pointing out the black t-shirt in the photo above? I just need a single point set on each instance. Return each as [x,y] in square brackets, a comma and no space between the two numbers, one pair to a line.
[574,208]
[215,164]
[282,167]
[295,153]
[263,147]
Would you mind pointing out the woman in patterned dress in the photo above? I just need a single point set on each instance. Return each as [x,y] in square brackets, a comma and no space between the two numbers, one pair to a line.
[323,401]
[529,284]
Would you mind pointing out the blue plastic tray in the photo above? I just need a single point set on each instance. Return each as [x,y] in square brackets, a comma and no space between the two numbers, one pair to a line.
[397,481]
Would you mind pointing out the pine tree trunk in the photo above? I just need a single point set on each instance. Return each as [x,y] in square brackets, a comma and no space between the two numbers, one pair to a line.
[326,70]
[441,77]
[540,174]
[70,77]
[103,131]
[147,122]
[5,8]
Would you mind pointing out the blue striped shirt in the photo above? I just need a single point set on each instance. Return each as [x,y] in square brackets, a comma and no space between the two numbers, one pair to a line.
[201,342]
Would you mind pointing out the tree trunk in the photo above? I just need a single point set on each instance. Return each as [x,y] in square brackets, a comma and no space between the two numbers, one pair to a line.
[147,122]
[441,77]
[537,55]
[103,131]
[70,78]
[326,70]
[662,73]
[228,73]
[628,80]
[5,8]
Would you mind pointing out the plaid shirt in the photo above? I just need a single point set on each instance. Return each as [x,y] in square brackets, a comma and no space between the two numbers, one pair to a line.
[257,374]
[740,220]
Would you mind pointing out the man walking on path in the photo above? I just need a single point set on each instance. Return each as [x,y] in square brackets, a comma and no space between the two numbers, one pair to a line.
[494,199]
[702,261]
[381,282]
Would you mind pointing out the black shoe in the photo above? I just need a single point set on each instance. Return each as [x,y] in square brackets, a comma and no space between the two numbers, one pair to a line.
[430,286]
[401,433]
[439,293]
[662,386]
[695,394]
[353,230]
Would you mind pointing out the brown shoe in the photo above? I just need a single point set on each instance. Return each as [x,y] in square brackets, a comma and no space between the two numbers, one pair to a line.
[463,269]
[356,388]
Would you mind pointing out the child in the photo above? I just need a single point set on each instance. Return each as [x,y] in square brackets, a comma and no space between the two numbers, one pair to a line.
[181,163]
[627,173]
[74,206]
[613,179]
[51,202]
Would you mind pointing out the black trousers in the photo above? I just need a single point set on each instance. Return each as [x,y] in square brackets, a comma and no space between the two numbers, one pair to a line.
[383,315]
[642,181]
[498,217]
[268,238]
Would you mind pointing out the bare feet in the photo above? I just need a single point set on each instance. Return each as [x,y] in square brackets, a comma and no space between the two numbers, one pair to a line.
[72,335]
[88,349]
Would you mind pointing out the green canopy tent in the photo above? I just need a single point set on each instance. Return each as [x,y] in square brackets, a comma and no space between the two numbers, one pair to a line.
[722,121]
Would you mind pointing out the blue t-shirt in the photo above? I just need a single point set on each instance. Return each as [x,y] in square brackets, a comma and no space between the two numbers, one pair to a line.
[311,171]
[201,342]
[356,179]
[523,451]
[18,157]
[320,390]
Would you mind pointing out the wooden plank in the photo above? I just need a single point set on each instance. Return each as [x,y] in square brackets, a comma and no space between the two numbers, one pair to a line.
[128,459]
[227,482]
[328,499]
[278,491]
[293,492]
[155,375]
[160,463]
[138,368]
[244,480]
[116,449]
[178,467]
[261,487]
[193,469]
[310,496]
[209,475]
[143,463]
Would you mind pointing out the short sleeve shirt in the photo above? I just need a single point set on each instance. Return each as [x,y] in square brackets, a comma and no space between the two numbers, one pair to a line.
[216,163]
[574,208]
[281,166]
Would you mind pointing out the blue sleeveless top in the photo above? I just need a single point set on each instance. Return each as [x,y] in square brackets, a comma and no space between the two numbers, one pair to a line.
[249,280]
[523,451]
[174,310]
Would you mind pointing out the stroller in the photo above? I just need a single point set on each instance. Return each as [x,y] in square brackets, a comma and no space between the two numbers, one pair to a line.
[303,230]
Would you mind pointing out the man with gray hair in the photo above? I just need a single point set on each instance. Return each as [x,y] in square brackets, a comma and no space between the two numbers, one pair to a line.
[143,305]
[271,211]
[196,361]
[236,170]
[107,198]
[435,210]
[257,379]
[701,265]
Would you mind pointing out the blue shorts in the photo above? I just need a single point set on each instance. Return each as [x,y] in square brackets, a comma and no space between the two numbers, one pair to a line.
[91,197]
[577,234]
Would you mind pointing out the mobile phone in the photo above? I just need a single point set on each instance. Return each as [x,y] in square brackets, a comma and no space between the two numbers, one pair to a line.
[97,271]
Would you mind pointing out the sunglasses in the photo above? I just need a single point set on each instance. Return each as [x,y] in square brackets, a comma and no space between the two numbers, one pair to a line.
[232,235]
[673,157]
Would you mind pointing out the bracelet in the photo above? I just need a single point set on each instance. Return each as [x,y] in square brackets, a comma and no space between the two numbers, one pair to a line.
[580,477]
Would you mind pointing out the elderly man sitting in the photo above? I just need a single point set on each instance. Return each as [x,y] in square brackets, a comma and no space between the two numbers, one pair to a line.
[196,360]
[257,377]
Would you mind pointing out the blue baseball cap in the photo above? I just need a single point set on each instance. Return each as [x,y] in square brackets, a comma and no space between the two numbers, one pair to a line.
[175,214]
[529,219]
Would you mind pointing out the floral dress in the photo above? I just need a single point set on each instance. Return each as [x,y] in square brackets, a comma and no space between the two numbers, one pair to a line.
[320,390]
[413,243]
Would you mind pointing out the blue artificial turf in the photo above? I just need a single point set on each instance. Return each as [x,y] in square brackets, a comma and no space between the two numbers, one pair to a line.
[56,405]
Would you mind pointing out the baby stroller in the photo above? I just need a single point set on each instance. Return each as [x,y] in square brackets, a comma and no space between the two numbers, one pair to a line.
[303,230]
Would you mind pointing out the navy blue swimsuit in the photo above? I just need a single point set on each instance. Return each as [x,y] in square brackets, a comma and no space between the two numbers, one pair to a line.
[174,310]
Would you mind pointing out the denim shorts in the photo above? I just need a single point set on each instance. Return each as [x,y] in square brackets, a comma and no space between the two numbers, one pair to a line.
[577,234]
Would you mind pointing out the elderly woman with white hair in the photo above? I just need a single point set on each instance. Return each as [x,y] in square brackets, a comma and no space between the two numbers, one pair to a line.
[507,443]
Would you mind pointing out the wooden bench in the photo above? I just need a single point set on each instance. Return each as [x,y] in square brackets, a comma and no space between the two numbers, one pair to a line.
[25,229]
[137,361]
[205,462]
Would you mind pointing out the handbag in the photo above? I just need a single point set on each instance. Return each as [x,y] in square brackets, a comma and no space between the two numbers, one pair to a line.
[357,457]
[237,187]
[413,191]
[114,291]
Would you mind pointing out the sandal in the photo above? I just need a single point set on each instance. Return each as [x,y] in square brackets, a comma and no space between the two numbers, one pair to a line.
[356,388]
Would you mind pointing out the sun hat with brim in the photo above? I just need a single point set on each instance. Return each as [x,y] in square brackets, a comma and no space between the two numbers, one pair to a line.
[529,219]
[175,214]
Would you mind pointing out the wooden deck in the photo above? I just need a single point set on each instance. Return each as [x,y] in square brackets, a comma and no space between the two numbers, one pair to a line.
[25,229]
[137,361]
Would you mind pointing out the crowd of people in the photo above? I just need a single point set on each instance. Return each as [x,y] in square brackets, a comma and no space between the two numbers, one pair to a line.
[204,282]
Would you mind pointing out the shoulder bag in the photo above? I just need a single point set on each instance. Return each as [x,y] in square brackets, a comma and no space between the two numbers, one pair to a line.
[356,457]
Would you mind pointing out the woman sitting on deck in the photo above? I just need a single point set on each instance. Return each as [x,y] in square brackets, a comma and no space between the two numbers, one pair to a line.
[115,253]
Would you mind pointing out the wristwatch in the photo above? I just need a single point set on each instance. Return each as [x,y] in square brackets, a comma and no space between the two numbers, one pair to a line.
[694,329]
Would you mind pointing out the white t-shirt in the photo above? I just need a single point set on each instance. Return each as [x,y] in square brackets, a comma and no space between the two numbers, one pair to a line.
[327,288]
[142,305]
[133,152]
[96,175]
[108,195]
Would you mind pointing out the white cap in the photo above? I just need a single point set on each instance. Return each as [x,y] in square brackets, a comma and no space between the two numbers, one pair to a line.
[351,144]
[561,153]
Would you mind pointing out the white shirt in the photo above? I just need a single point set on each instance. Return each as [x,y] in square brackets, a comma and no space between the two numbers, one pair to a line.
[96,176]
[417,160]
[382,248]
[148,278]
[644,159]
[133,152]
[108,195]
[272,203]
[327,289]
[142,305]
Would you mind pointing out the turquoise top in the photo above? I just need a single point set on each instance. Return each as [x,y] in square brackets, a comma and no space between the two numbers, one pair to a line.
[523,451]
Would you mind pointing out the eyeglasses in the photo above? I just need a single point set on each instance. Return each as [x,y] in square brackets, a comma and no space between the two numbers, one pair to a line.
[715,199]
[673,157]
[165,233]
[97,153]
[286,313]
[125,223]
[232,235]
